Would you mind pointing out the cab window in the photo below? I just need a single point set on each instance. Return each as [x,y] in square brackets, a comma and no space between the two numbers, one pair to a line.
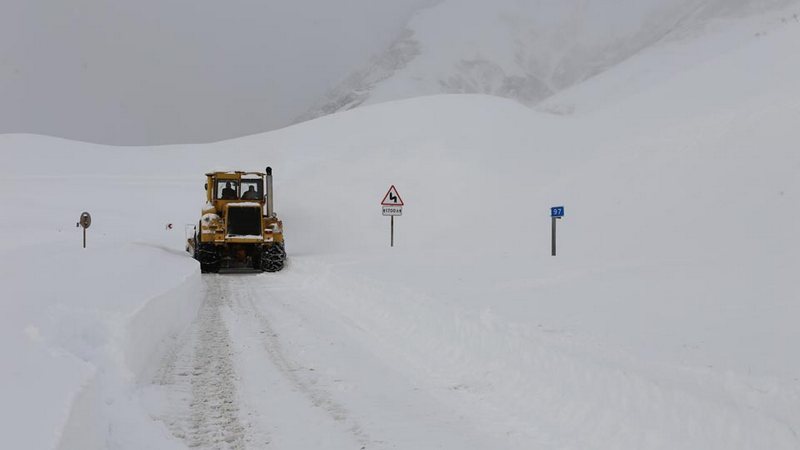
[227,190]
[252,189]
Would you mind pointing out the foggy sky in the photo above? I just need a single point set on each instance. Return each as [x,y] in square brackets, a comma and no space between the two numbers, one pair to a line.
[175,71]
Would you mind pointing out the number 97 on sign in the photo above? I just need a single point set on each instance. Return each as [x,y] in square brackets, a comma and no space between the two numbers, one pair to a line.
[557,211]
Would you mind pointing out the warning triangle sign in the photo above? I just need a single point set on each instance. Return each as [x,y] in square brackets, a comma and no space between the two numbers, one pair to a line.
[392,198]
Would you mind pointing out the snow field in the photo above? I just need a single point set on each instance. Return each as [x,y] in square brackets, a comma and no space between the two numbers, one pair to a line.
[544,386]
[668,320]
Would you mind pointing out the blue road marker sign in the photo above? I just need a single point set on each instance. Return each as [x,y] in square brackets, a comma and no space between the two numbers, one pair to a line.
[557,211]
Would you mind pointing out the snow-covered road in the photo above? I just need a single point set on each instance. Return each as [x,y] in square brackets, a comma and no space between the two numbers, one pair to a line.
[308,358]
[266,363]
[200,382]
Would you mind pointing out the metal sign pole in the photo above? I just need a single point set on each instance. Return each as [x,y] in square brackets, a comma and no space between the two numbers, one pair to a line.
[392,233]
[85,222]
[556,213]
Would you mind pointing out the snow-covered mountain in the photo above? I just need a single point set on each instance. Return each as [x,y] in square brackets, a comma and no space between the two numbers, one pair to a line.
[153,72]
[528,50]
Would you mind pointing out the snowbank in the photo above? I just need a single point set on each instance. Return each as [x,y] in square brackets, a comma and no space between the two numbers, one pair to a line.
[82,326]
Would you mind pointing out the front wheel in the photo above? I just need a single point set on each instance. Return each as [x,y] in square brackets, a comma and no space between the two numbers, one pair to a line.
[273,258]
[209,268]
[208,257]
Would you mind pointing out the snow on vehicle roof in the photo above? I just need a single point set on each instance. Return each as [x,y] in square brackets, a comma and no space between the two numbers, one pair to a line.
[245,204]
[237,172]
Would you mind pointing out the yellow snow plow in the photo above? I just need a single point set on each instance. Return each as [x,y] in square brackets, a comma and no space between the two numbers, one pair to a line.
[238,229]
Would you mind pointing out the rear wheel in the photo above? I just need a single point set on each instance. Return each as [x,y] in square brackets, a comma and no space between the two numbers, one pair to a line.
[273,258]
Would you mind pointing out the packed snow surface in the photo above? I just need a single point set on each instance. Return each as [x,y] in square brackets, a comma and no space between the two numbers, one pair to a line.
[668,320]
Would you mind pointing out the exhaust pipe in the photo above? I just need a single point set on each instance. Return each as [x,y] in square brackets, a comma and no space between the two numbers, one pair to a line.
[268,191]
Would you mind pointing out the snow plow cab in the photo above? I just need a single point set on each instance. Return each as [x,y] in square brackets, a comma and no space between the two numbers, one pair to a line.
[238,230]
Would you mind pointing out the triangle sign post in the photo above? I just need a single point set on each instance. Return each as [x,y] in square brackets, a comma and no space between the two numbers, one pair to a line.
[392,205]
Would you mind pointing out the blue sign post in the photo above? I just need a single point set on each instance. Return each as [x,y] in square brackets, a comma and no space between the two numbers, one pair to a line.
[556,213]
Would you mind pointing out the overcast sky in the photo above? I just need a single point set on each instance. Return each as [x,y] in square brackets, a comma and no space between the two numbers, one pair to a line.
[167,71]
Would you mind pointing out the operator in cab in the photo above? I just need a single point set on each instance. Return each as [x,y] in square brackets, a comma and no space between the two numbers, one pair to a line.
[228,193]
[250,193]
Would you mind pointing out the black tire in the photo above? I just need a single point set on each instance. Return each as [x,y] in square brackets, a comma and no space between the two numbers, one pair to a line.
[208,257]
[209,268]
[273,258]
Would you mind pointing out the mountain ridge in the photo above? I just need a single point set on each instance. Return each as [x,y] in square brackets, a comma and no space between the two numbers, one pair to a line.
[525,51]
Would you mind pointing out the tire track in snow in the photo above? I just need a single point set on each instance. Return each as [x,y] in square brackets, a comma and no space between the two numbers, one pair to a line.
[245,307]
[200,379]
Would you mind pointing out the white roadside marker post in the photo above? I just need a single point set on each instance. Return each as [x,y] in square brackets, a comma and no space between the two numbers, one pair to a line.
[392,206]
[556,213]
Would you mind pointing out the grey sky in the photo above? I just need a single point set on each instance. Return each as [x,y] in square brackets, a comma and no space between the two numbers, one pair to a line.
[158,71]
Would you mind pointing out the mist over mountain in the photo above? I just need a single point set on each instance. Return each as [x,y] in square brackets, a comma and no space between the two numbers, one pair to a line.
[168,71]
[524,50]
[179,71]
